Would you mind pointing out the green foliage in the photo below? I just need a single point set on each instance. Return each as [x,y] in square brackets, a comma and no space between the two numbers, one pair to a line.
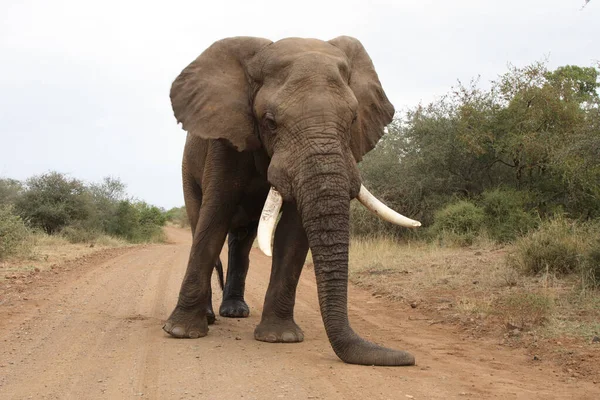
[505,216]
[82,213]
[459,223]
[52,201]
[151,215]
[535,131]
[10,189]
[575,83]
[178,216]
[104,196]
[126,220]
[13,233]
[137,222]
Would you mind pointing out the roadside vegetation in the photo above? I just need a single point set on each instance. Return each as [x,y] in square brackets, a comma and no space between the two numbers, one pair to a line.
[178,217]
[53,209]
[506,182]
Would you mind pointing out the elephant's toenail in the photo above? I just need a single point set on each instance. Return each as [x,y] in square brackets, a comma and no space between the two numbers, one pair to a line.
[178,331]
[194,335]
[288,337]
[271,338]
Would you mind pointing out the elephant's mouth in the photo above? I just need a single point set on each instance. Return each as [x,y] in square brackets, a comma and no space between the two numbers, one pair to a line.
[268,218]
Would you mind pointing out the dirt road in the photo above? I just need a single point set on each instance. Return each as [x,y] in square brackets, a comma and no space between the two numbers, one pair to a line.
[94,331]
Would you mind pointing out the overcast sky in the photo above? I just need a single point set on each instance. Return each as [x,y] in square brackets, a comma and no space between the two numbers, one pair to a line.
[84,85]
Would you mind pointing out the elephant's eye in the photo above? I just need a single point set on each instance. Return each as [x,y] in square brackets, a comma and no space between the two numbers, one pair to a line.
[270,122]
[354,119]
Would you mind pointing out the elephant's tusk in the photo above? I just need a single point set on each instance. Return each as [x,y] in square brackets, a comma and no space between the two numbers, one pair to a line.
[268,219]
[374,205]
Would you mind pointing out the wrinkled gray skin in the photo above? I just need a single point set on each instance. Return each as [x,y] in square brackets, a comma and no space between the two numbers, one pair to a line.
[297,114]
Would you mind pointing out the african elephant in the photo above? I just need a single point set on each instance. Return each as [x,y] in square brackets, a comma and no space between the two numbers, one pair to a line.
[281,124]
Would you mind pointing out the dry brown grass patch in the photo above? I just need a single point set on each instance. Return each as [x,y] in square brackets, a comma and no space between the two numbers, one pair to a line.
[46,250]
[474,285]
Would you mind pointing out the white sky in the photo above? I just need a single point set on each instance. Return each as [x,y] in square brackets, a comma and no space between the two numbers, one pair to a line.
[84,86]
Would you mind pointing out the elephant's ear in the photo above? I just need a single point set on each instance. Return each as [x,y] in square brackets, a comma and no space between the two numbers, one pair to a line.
[211,96]
[375,111]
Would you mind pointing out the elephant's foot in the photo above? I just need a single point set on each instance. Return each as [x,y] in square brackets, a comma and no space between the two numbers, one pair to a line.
[187,323]
[234,308]
[278,331]
[210,315]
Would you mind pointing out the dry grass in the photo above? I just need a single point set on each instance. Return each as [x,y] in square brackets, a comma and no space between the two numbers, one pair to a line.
[407,271]
[561,247]
[43,251]
[474,285]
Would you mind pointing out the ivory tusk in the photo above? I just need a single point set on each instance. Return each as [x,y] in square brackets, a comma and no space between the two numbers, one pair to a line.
[374,205]
[268,219]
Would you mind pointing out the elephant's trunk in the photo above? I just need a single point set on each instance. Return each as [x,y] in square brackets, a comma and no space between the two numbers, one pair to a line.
[324,204]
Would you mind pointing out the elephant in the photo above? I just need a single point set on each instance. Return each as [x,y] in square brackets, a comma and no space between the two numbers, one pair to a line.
[278,128]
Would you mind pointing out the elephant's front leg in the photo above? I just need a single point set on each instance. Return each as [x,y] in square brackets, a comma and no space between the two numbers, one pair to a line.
[289,254]
[189,319]
[240,243]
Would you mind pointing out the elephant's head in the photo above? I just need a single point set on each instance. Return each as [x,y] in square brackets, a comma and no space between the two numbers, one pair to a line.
[315,108]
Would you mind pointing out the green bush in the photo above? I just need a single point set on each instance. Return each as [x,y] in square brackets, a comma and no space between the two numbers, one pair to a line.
[557,246]
[505,218]
[178,216]
[458,223]
[52,201]
[13,232]
[10,190]
[151,215]
[138,222]
[149,233]
[81,213]
[126,220]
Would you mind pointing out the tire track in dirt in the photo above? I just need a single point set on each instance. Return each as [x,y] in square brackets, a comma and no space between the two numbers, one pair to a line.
[97,335]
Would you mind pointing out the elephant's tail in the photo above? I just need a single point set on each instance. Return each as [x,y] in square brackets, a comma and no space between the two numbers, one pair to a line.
[219,268]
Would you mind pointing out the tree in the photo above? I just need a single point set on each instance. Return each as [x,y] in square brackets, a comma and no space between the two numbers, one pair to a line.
[51,201]
[105,196]
[10,189]
[535,131]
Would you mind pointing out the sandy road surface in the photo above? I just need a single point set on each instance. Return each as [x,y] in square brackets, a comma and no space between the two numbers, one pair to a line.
[94,331]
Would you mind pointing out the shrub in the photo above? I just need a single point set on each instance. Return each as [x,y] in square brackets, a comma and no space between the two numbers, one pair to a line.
[504,216]
[556,247]
[458,223]
[13,232]
[561,247]
[149,233]
[151,215]
[10,190]
[138,222]
[52,201]
[126,220]
[178,216]
[81,213]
